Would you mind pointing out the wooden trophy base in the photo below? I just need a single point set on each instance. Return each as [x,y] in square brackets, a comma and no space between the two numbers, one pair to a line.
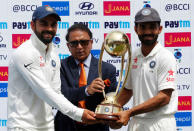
[106,117]
[104,111]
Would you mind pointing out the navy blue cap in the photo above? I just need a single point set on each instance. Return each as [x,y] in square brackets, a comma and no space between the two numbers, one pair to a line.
[44,11]
[147,14]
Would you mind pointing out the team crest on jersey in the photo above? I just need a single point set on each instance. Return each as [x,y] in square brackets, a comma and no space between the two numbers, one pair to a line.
[152,64]
[53,63]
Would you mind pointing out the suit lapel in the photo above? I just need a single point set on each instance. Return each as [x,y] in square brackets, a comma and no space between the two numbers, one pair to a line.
[74,70]
[93,72]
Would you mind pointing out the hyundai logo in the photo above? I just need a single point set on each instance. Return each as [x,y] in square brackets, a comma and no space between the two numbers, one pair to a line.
[86,6]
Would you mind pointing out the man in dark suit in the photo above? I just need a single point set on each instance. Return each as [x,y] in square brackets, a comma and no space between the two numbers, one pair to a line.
[79,42]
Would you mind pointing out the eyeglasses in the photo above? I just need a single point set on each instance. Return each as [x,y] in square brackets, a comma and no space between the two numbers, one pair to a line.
[83,43]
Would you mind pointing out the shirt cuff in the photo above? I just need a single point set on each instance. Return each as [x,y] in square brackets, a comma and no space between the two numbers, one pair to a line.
[87,92]
[78,114]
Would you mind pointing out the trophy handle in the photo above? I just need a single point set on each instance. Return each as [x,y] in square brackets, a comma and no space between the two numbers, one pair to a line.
[126,71]
[100,66]
[121,74]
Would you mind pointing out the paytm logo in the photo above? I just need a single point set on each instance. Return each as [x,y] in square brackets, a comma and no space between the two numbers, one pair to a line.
[3,73]
[18,39]
[178,39]
[118,8]
[21,25]
[63,25]
[3,123]
[3,25]
[178,24]
[3,89]
[63,56]
[90,24]
[183,118]
[120,24]
[61,7]
[184,103]
[95,53]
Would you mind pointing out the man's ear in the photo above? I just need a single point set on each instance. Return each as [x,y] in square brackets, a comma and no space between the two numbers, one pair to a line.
[160,29]
[135,28]
[32,24]
[68,46]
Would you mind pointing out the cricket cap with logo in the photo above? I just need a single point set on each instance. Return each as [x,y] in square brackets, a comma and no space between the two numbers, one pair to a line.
[147,14]
[44,11]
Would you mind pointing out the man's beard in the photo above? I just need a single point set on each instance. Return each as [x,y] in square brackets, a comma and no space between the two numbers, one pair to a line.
[45,40]
[148,42]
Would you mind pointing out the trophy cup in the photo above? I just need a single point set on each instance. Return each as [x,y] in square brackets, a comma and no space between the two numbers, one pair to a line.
[116,44]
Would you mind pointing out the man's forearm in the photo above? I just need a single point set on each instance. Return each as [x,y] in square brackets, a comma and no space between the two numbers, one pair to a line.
[152,104]
[124,96]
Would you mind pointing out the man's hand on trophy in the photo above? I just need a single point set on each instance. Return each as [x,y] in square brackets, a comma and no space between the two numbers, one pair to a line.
[97,85]
[88,117]
[123,116]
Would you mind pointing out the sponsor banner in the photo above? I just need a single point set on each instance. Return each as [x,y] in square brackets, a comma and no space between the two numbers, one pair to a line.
[177,24]
[117,8]
[3,73]
[61,7]
[3,123]
[184,103]
[183,119]
[90,24]
[178,39]
[177,7]
[24,8]
[63,56]
[3,25]
[18,39]
[21,25]
[2,44]
[3,89]
[184,71]
[86,8]
[117,25]
[63,25]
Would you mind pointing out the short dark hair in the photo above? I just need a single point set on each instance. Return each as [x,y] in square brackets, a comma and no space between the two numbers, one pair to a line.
[78,26]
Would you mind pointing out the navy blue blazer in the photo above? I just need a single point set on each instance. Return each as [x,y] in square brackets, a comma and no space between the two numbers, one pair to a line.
[70,89]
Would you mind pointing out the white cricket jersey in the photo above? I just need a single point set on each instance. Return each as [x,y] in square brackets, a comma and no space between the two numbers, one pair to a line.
[34,87]
[151,74]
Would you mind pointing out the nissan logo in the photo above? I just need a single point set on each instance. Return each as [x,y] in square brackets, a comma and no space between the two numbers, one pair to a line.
[86,6]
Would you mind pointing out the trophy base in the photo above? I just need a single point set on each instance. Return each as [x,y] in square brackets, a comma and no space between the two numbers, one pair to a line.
[104,111]
[106,117]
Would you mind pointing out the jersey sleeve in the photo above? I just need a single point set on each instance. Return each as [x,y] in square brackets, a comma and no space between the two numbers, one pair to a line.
[167,72]
[31,71]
